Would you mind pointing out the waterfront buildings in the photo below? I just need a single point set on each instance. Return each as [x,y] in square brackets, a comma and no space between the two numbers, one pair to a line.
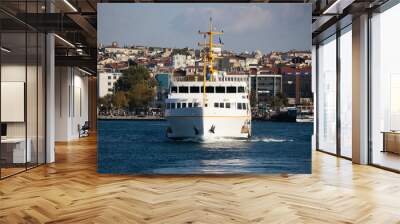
[291,72]
[159,60]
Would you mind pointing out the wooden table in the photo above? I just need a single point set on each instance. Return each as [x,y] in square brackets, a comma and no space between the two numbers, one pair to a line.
[391,141]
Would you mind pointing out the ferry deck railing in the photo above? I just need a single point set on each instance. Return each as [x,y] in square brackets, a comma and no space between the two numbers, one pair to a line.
[240,78]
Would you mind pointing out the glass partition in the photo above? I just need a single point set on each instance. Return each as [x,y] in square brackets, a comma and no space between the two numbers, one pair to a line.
[13,95]
[385,89]
[22,77]
[326,97]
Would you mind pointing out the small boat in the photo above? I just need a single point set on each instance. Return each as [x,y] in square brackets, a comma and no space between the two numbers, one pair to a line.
[305,117]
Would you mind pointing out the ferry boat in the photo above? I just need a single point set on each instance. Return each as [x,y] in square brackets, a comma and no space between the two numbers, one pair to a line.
[210,106]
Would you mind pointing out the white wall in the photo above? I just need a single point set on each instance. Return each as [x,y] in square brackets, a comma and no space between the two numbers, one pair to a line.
[71,102]
[13,101]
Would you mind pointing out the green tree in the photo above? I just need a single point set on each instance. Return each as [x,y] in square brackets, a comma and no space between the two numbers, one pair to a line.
[119,100]
[279,100]
[105,102]
[138,86]
[140,96]
[253,99]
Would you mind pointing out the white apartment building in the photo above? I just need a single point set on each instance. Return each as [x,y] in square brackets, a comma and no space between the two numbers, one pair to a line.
[179,61]
[106,82]
[250,61]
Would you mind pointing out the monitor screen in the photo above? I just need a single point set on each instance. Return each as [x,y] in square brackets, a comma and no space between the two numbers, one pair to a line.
[3,129]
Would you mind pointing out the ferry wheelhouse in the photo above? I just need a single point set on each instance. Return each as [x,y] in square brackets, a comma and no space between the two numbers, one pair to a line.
[209,107]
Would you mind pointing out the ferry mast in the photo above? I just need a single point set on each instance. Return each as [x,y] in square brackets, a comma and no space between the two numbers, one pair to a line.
[209,58]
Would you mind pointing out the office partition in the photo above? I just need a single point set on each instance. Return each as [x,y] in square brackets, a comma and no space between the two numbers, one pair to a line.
[22,77]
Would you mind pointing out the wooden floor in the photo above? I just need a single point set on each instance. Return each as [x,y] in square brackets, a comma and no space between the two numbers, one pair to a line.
[70,191]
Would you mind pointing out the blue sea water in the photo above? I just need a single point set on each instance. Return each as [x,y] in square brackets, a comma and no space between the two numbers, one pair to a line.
[140,147]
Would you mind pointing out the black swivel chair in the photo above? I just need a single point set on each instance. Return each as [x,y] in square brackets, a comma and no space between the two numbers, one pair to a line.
[84,130]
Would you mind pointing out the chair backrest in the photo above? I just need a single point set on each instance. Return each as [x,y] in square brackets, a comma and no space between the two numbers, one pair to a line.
[86,125]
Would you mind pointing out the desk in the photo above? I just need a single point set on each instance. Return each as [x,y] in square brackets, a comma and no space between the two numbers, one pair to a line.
[391,141]
[15,148]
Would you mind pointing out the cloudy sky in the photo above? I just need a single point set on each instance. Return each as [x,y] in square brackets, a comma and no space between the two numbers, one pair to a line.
[247,27]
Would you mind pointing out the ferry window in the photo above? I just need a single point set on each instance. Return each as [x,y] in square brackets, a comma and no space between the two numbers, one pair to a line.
[221,105]
[210,89]
[183,89]
[228,105]
[178,105]
[240,89]
[168,105]
[205,105]
[196,105]
[172,105]
[244,106]
[183,105]
[220,89]
[231,89]
[194,89]
[239,106]
[174,89]
[190,104]
[216,104]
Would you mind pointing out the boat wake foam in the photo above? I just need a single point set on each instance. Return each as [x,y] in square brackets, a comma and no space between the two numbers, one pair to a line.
[222,139]
[268,139]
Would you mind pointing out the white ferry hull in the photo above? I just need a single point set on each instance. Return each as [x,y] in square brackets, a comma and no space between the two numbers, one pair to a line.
[208,127]
[203,125]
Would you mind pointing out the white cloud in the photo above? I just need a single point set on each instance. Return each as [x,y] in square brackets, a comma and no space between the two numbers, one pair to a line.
[234,19]
[249,19]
